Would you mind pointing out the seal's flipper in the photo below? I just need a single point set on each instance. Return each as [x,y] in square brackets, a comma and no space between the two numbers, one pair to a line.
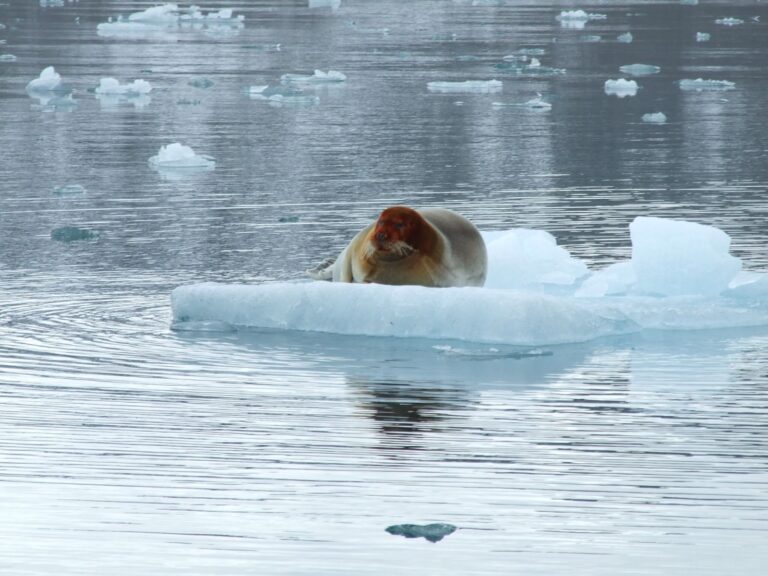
[323,271]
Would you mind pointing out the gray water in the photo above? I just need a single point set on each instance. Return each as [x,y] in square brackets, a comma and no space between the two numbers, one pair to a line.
[127,448]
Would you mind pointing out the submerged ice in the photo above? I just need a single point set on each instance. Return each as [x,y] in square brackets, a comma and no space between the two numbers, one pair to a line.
[479,86]
[680,276]
[701,84]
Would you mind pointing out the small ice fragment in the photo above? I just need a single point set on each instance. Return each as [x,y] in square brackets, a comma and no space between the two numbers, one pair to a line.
[431,532]
[479,86]
[112,87]
[655,118]
[177,155]
[8,58]
[591,38]
[534,63]
[532,51]
[200,82]
[577,18]
[729,21]
[69,190]
[703,36]
[48,81]
[640,69]
[625,38]
[72,234]
[319,77]
[689,2]
[538,103]
[701,84]
[258,89]
[620,87]
[286,219]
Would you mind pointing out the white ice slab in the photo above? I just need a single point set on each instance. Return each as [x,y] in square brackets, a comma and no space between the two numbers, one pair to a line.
[620,87]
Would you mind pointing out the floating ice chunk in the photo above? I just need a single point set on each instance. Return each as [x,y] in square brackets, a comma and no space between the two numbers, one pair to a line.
[253,90]
[729,21]
[530,259]
[479,86]
[283,94]
[625,38]
[701,84]
[523,66]
[538,103]
[319,77]
[532,51]
[640,69]
[672,257]
[620,87]
[689,2]
[8,58]
[591,38]
[703,37]
[111,86]
[48,81]
[655,118]
[178,156]
[69,190]
[158,21]
[577,18]
[72,234]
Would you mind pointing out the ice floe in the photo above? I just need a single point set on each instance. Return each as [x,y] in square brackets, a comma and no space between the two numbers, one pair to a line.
[680,276]
[701,84]
[577,18]
[625,38]
[640,69]
[318,77]
[48,81]
[655,118]
[282,95]
[167,18]
[537,103]
[332,4]
[112,87]
[177,156]
[8,58]
[703,36]
[69,190]
[479,86]
[620,87]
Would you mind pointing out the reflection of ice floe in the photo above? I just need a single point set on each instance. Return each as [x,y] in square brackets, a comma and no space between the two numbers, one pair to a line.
[332,4]
[729,21]
[177,156]
[160,20]
[620,87]
[8,58]
[577,18]
[111,86]
[701,84]
[655,118]
[703,36]
[681,276]
[625,38]
[319,77]
[479,86]
[73,234]
[639,69]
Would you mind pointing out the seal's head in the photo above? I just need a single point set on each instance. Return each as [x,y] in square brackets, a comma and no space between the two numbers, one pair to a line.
[397,233]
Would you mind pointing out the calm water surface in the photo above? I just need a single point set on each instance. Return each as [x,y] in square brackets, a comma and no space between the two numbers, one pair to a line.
[126,448]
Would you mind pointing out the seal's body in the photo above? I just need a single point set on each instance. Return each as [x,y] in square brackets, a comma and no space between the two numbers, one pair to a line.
[425,247]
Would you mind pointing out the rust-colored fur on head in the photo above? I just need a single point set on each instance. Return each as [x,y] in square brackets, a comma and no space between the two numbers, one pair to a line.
[401,230]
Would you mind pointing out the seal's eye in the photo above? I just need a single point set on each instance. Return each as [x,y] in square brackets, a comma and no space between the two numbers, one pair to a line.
[399,225]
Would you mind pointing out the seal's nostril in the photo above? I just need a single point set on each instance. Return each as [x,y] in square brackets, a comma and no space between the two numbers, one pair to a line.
[380,236]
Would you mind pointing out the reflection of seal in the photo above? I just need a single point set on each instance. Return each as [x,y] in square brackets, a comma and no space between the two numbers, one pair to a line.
[426,247]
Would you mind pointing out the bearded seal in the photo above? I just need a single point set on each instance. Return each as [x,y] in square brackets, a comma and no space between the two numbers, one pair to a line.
[425,247]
